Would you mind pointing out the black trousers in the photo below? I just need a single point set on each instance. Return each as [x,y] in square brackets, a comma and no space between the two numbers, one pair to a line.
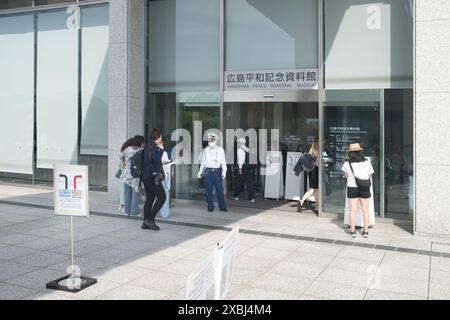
[152,191]
[247,178]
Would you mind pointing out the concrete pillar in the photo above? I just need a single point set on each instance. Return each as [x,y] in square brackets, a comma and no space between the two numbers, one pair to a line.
[126,79]
[432,118]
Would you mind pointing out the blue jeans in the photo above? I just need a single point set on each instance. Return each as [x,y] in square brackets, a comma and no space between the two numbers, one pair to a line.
[131,201]
[213,178]
[165,210]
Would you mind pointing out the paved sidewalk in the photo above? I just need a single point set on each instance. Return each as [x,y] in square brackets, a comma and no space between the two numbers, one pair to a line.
[131,263]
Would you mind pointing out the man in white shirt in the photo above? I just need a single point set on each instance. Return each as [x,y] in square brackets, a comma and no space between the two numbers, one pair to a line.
[213,168]
[246,172]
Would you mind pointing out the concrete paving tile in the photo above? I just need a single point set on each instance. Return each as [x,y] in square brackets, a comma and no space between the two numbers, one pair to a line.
[282,244]
[323,249]
[79,248]
[120,273]
[17,239]
[373,294]
[442,264]
[262,294]
[10,270]
[36,279]
[127,292]
[439,291]
[11,292]
[176,252]
[310,258]
[42,259]
[46,295]
[362,253]
[44,244]
[442,277]
[404,272]
[14,252]
[182,267]
[441,247]
[406,259]
[400,285]
[253,263]
[87,266]
[139,247]
[160,280]
[361,279]
[355,265]
[243,277]
[298,270]
[112,255]
[335,291]
[275,282]
[105,241]
[151,262]
[260,252]
[411,244]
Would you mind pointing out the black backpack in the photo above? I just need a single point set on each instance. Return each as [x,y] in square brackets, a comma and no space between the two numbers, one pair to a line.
[137,164]
[308,162]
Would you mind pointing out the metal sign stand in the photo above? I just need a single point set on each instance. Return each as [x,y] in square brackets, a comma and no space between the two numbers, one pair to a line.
[74,281]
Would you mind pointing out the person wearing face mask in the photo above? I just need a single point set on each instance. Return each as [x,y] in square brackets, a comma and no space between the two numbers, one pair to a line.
[213,168]
[246,172]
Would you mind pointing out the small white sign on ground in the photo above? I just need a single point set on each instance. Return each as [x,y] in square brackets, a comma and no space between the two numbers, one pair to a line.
[211,280]
[71,196]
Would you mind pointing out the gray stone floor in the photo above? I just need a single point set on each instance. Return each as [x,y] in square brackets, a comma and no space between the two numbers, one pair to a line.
[130,263]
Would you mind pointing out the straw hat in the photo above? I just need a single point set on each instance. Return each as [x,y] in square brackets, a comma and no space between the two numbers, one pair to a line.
[354,147]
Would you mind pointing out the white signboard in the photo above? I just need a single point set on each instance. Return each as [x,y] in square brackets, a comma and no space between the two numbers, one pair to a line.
[274,188]
[71,196]
[212,278]
[201,283]
[226,258]
[288,79]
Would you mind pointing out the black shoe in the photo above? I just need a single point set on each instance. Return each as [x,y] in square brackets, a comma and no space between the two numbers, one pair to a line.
[299,206]
[151,225]
[210,209]
[224,209]
[144,227]
[365,234]
[352,233]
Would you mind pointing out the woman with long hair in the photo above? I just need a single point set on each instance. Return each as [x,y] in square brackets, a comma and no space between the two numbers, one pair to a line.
[313,177]
[357,167]
[131,185]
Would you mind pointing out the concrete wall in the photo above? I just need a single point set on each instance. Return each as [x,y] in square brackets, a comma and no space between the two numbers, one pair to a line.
[432,118]
[126,80]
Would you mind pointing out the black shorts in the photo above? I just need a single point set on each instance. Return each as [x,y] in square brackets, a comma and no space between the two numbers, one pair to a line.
[353,193]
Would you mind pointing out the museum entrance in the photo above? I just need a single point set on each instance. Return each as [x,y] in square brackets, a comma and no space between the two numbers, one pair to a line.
[292,127]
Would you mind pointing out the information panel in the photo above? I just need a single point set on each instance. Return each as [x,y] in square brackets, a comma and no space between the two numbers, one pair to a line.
[71,193]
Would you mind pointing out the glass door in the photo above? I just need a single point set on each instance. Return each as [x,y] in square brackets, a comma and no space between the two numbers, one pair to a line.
[346,123]
[297,124]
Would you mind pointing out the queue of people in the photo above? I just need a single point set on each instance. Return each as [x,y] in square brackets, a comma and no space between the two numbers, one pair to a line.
[153,161]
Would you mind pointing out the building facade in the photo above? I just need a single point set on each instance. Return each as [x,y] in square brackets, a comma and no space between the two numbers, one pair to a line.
[77,78]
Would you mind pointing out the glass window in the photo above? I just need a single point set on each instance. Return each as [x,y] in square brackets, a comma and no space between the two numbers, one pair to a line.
[184,70]
[94,81]
[368,44]
[57,90]
[398,174]
[49,2]
[264,35]
[16,93]
[12,4]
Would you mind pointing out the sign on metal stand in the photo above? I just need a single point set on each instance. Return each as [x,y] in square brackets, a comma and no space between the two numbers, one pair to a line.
[211,280]
[71,198]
